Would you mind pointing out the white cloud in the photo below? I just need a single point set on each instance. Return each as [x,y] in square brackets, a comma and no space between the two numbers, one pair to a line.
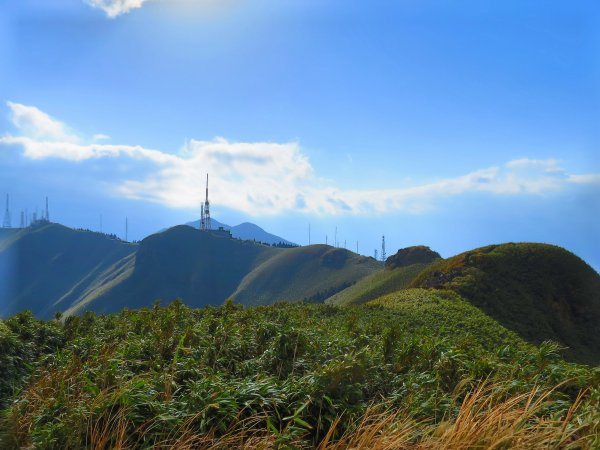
[114,8]
[268,178]
[100,137]
[39,125]
[590,178]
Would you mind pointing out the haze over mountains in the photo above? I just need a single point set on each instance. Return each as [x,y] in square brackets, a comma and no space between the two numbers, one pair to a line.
[539,291]
[59,269]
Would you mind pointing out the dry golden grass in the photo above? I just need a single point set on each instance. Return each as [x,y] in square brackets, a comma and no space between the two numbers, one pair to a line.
[488,418]
[485,421]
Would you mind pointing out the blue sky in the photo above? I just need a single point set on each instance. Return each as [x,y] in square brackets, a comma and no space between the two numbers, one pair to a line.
[449,124]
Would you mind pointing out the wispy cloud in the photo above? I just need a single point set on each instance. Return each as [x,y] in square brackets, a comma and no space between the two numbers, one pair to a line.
[114,8]
[265,177]
[38,125]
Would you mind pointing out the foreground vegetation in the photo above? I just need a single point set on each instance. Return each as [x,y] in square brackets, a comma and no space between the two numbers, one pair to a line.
[416,369]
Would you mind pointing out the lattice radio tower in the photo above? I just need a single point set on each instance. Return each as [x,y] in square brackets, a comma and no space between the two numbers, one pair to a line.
[207,223]
[202,224]
[7,221]
[383,249]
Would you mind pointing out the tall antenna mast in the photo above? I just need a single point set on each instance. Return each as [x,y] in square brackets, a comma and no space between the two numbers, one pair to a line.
[7,221]
[375,255]
[383,249]
[201,225]
[207,223]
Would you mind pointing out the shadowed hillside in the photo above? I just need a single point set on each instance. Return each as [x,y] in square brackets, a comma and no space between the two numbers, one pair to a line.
[400,270]
[53,268]
[312,273]
[49,267]
[540,291]
[182,262]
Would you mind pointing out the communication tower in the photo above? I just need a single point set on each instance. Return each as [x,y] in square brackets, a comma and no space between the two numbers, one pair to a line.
[207,224]
[202,224]
[7,221]
[383,249]
[47,211]
[375,255]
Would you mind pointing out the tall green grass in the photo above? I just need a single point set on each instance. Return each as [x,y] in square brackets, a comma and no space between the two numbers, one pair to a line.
[285,375]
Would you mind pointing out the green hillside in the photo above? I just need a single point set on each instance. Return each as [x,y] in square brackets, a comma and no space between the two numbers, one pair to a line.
[50,267]
[311,273]
[377,284]
[181,262]
[418,370]
[53,268]
[400,271]
[446,314]
[540,291]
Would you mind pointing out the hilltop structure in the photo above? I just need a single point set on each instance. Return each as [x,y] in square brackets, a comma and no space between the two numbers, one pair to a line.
[26,219]
[205,221]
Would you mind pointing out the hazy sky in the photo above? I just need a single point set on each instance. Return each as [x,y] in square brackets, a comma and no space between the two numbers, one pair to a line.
[452,124]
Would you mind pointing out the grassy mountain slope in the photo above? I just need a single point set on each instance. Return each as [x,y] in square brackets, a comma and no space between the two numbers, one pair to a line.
[400,271]
[540,291]
[183,262]
[52,266]
[417,254]
[446,314]
[312,272]
[377,284]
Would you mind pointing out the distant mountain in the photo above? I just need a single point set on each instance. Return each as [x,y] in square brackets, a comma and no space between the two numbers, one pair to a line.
[400,270]
[246,231]
[418,254]
[48,268]
[200,268]
[54,268]
[310,273]
[540,291]
[214,223]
